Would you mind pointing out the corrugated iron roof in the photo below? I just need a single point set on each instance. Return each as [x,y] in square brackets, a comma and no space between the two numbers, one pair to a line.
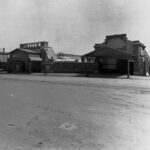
[33,58]
[50,53]
[110,52]
[26,50]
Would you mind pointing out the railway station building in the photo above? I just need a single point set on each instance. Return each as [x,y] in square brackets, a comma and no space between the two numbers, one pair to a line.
[117,54]
[30,57]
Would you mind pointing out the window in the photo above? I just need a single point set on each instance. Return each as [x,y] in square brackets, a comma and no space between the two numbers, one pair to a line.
[141,52]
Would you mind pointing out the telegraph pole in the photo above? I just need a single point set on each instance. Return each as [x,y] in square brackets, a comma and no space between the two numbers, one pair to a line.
[128,69]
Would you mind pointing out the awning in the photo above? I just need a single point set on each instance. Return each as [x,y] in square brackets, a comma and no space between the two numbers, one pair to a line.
[106,52]
[33,58]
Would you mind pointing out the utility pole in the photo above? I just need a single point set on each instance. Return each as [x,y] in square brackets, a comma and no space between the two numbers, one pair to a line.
[29,67]
[87,69]
[45,68]
[128,69]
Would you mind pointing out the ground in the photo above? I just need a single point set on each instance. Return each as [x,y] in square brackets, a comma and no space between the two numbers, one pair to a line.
[74,113]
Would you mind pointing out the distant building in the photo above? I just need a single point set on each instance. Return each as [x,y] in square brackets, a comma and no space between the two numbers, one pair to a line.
[42,48]
[3,59]
[30,56]
[3,55]
[63,57]
[117,54]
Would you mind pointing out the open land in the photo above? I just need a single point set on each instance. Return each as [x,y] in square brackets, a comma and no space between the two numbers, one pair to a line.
[74,113]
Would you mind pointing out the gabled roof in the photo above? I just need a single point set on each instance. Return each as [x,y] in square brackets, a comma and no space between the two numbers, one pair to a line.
[110,52]
[26,51]
[50,53]
[66,54]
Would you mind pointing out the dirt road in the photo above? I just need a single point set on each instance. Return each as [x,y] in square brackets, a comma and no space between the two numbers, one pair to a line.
[74,113]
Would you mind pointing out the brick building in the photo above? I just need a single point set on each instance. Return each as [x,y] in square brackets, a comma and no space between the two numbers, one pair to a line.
[117,54]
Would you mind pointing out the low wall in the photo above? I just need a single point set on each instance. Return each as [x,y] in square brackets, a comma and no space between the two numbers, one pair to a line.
[71,67]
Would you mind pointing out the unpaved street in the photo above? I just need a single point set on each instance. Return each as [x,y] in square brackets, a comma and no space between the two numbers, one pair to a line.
[71,113]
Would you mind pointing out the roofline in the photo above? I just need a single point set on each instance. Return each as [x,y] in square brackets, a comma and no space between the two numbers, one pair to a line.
[112,49]
[34,42]
[23,50]
[68,54]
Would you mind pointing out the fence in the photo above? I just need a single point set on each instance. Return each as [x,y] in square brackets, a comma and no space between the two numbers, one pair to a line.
[71,67]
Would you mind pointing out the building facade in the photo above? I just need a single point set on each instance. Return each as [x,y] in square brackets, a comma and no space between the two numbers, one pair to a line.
[3,59]
[30,57]
[118,54]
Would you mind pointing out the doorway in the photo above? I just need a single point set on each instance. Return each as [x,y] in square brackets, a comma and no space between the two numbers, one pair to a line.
[122,66]
[131,68]
[18,67]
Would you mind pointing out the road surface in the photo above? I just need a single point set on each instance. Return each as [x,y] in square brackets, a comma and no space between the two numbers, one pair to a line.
[71,113]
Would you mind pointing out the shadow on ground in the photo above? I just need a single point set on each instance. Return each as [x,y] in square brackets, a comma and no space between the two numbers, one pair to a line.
[102,76]
[89,75]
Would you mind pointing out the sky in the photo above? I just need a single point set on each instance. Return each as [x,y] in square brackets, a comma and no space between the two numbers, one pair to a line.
[72,26]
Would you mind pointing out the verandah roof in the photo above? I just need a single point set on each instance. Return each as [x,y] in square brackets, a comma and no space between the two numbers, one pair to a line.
[35,58]
[111,53]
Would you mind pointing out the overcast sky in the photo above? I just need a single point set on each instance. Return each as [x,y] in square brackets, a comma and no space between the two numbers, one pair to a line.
[72,26]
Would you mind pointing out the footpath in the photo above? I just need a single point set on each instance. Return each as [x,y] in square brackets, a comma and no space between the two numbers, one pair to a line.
[82,80]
